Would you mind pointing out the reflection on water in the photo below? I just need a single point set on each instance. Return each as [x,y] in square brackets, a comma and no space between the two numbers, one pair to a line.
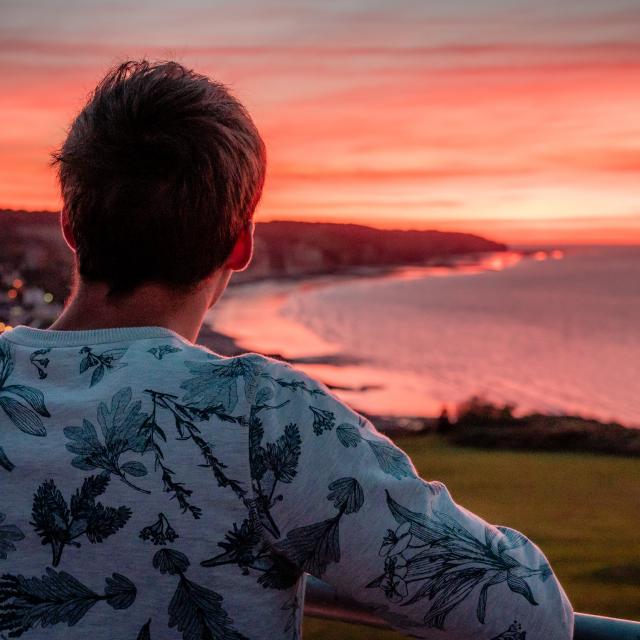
[554,331]
[252,315]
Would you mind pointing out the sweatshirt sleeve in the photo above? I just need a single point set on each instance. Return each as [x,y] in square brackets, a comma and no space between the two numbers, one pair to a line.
[341,501]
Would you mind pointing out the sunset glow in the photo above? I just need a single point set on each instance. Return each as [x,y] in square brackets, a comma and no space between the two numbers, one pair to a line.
[518,121]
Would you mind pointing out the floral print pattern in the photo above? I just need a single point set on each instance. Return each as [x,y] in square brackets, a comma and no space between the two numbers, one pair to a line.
[190,472]
[55,598]
[9,534]
[160,532]
[23,404]
[448,562]
[60,524]
[101,362]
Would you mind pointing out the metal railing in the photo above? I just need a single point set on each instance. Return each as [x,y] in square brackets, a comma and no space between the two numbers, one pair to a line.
[322,601]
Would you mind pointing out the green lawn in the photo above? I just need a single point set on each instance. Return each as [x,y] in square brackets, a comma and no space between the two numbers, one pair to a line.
[583,510]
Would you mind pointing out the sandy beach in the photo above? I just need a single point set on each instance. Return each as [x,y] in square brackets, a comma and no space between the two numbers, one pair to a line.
[229,329]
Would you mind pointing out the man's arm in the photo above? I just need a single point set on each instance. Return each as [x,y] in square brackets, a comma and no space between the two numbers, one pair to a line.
[345,504]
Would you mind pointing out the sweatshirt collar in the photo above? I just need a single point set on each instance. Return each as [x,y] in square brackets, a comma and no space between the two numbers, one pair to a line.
[32,337]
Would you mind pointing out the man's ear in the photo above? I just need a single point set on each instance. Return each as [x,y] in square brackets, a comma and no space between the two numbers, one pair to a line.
[242,252]
[66,230]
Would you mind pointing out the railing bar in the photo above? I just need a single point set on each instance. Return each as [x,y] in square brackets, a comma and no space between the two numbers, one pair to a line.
[322,601]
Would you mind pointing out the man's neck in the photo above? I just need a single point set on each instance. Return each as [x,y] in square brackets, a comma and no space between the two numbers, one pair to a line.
[149,305]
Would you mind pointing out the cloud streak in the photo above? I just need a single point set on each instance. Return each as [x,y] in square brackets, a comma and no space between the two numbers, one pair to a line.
[370,112]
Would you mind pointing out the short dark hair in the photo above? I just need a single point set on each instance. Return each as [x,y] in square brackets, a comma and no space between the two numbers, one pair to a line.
[159,173]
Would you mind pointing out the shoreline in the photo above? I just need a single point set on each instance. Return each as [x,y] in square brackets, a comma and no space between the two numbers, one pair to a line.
[228,345]
[489,429]
[457,265]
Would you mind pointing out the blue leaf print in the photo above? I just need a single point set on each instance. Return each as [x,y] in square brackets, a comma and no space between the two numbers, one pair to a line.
[97,375]
[391,460]
[277,462]
[263,396]
[33,396]
[242,546]
[5,462]
[216,383]
[281,456]
[294,385]
[22,416]
[119,592]
[40,362]
[133,468]
[9,533]
[24,413]
[514,632]
[313,547]
[245,547]
[121,431]
[346,494]
[447,563]
[323,420]
[184,416]
[348,435]
[518,585]
[85,444]
[6,361]
[194,610]
[170,561]
[160,532]
[151,431]
[101,361]
[511,540]
[162,350]
[145,631]
[59,526]
[56,598]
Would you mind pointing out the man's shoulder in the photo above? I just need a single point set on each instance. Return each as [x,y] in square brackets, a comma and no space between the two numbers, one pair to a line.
[251,363]
[259,372]
[280,372]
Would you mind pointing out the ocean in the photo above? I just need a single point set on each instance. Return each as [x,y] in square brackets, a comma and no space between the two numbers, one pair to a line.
[556,332]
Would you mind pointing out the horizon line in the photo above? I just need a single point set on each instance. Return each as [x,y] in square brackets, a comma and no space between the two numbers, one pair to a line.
[591,242]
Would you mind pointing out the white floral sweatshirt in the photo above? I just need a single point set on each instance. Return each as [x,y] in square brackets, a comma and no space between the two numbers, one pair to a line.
[153,489]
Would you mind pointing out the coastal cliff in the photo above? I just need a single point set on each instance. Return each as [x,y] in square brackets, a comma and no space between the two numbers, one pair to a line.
[31,244]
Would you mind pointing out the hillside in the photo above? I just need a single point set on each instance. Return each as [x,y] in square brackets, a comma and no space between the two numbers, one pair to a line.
[295,248]
[31,243]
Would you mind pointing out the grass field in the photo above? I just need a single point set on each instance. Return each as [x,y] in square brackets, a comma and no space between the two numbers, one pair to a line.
[582,509]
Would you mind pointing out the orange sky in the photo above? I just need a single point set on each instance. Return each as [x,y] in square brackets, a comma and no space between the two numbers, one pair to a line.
[512,119]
